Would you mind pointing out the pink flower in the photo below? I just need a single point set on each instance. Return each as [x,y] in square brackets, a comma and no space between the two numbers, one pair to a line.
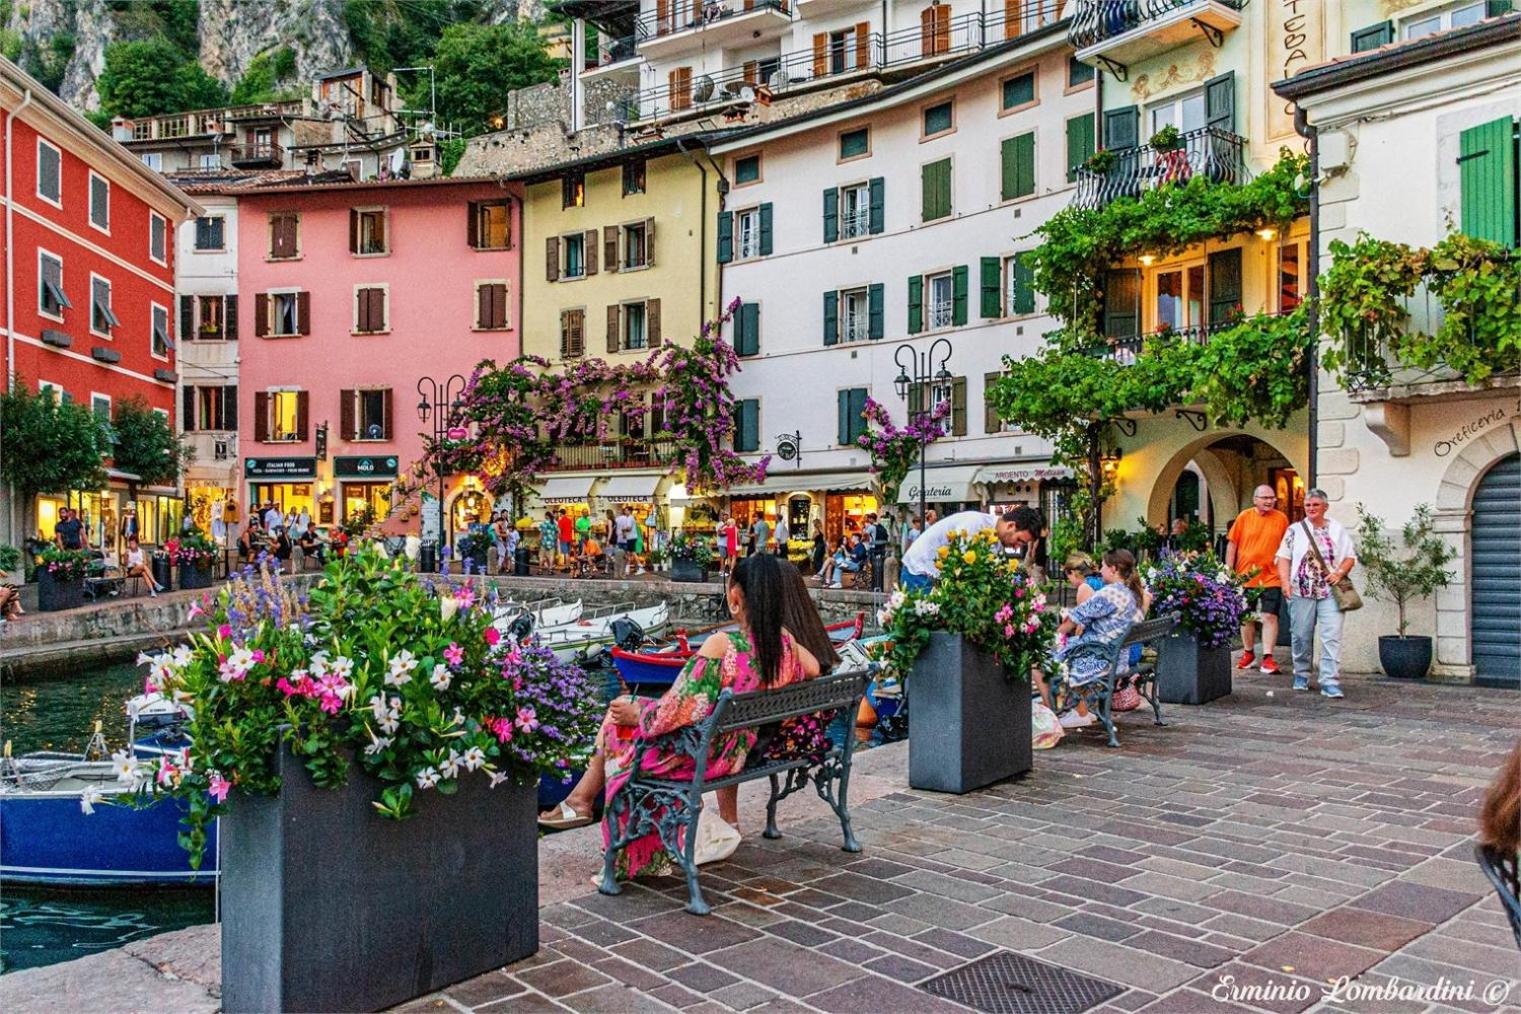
[1008,630]
[454,654]
[224,631]
[493,636]
[528,720]
[219,787]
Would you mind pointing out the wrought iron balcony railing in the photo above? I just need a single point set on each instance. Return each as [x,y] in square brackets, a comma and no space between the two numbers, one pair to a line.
[265,154]
[1125,349]
[682,15]
[1093,21]
[1211,152]
[627,453]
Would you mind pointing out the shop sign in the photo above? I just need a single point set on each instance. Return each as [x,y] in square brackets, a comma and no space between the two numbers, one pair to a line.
[1014,476]
[379,466]
[280,468]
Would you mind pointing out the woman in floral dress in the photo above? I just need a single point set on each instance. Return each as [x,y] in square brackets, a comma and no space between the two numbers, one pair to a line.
[1105,617]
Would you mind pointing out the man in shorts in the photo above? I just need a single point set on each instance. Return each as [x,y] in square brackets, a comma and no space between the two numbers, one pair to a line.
[1250,545]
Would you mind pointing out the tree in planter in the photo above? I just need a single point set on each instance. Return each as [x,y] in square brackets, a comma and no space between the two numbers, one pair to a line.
[1404,577]
[48,445]
[146,445]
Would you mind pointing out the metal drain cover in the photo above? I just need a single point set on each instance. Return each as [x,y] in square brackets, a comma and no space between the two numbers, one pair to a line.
[1008,983]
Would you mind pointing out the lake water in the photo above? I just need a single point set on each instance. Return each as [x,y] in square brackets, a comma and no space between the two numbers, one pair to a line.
[39,927]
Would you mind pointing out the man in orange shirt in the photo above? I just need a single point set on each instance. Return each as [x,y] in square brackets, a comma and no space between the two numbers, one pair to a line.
[1251,543]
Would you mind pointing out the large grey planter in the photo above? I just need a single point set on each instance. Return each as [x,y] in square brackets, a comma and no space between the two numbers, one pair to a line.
[54,595]
[1189,674]
[687,571]
[970,723]
[328,906]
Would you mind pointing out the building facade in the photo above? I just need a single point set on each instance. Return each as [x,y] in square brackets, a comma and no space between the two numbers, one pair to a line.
[348,295]
[88,288]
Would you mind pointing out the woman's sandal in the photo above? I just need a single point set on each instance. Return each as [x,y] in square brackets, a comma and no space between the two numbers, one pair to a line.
[565,818]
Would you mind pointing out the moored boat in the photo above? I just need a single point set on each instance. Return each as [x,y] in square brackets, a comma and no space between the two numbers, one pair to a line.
[660,665]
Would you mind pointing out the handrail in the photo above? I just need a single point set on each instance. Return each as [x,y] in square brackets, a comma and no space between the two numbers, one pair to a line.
[1216,154]
[1126,348]
[687,15]
[1093,21]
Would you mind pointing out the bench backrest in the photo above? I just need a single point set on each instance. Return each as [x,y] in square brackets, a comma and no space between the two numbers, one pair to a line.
[1151,630]
[763,707]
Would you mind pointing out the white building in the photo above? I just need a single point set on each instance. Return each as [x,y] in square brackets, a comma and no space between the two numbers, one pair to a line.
[894,220]
[1415,138]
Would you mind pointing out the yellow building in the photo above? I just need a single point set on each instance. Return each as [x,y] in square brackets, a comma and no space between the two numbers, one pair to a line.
[621,259]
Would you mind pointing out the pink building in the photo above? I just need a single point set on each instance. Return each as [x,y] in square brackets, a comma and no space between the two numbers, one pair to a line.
[352,293]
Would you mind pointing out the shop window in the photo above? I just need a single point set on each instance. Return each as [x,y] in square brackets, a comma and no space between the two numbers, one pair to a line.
[359,495]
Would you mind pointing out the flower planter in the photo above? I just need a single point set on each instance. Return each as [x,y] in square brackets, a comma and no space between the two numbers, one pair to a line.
[196,575]
[971,723]
[1404,658]
[687,570]
[1190,674]
[328,906]
[54,594]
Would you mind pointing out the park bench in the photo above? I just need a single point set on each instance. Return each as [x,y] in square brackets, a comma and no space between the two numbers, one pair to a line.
[1099,693]
[648,804]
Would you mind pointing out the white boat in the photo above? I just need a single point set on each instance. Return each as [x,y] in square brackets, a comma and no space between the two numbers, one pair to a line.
[566,640]
[551,613]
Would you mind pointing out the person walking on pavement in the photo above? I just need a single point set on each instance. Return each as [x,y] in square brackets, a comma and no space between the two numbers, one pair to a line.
[1251,545]
[783,534]
[877,537]
[1314,555]
[760,535]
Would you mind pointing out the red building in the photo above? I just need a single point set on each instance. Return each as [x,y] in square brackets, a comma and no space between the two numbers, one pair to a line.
[88,289]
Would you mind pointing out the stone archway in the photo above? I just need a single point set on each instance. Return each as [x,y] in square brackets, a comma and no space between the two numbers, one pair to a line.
[1225,469]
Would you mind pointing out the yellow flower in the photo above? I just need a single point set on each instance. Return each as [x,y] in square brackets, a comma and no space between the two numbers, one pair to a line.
[944,551]
[969,556]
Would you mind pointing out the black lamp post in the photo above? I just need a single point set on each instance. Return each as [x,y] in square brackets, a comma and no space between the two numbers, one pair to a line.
[924,372]
[440,404]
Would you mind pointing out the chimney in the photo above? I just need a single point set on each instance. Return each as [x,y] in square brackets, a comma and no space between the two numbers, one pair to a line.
[121,128]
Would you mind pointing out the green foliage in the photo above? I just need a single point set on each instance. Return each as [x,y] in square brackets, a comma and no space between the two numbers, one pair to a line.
[450,151]
[149,77]
[270,77]
[174,21]
[401,33]
[478,65]
[46,62]
[10,558]
[64,564]
[48,446]
[1416,572]
[147,445]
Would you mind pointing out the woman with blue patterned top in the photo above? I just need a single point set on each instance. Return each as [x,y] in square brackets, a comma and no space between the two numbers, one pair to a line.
[1105,617]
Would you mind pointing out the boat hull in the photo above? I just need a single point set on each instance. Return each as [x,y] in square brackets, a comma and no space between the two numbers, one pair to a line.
[46,839]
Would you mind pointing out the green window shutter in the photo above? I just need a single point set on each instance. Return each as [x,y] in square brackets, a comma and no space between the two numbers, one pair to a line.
[915,400]
[765,229]
[874,294]
[1018,166]
[725,237]
[1220,102]
[857,407]
[958,407]
[747,339]
[876,190]
[1122,128]
[1373,36]
[936,179]
[1487,177]
[1018,91]
[1224,285]
[1122,303]
[831,215]
[1079,143]
[958,295]
[915,304]
[831,317]
[1497,8]
[843,432]
[747,428]
[1024,286]
[992,282]
[990,421]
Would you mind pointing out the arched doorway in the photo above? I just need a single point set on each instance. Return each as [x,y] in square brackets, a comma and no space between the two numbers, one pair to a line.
[1215,476]
[1496,590]
[470,506]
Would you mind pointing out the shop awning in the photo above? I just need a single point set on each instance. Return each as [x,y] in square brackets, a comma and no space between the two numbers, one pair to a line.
[941,485]
[1018,474]
[630,488]
[566,488]
[789,482]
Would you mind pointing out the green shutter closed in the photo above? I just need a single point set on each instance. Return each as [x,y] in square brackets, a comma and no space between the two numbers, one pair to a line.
[1224,285]
[958,407]
[936,180]
[831,317]
[1024,285]
[875,213]
[1079,143]
[874,298]
[1498,8]
[1487,176]
[990,421]
[831,215]
[725,237]
[765,229]
[958,295]
[747,342]
[747,432]
[1122,128]
[992,284]
[842,434]
[1373,36]
[1220,102]
[1018,166]
[915,304]
[857,408]
[1122,303]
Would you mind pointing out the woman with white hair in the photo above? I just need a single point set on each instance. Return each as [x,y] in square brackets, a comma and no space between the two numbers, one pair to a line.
[1315,555]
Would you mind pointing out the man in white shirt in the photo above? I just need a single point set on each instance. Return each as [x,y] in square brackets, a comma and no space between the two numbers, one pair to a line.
[272,517]
[921,562]
[783,533]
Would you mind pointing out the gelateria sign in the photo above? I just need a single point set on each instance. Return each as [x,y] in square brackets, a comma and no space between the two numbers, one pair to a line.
[1295,39]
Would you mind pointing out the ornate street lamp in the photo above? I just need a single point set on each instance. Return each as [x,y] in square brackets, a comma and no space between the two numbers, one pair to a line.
[924,372]
[440,404]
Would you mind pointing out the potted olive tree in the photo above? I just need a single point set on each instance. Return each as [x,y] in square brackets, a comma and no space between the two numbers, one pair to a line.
[1414,570]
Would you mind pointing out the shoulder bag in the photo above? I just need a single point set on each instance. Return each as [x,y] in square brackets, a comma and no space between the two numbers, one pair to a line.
[1342,590]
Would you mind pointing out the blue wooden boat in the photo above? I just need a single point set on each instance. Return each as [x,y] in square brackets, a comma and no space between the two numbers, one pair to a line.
[657,668]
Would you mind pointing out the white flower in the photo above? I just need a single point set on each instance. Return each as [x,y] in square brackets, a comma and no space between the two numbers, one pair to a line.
[924,607]
[427,778]
[340,666]
[473,758]
[458,718]
[441,677]
[450,767]
[182,656]
[89,797]
[497,778]
[448,605]
[400,672]
[377,744]
[127,770]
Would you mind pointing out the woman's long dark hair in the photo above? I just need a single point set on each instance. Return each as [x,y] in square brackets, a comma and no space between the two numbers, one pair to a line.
[1123,563]
[763,584]
[801,618]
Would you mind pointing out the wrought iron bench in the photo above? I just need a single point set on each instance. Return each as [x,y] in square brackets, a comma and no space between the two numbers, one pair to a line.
[1504,872]
[1098,694]
[670,808]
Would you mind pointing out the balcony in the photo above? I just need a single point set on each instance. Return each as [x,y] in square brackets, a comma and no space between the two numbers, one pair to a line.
[1125,350]
[625,453]
[615,57]
[689,25]
[1123,32]
[260,155]
[1215,154]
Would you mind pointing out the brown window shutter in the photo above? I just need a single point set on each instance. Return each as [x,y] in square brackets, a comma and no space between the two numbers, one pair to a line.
[990,421]
[752,72]
[649,242]
[502,319]
[353,231]
[614,319]
[261,416]
[303,411]
[230,317]
[386,420]
[927,31]
[303,313]
[564,333]
[679,82]
[610,247]
[378,309]
[1011,28]
[652,322]
[863,44]
[942,29]
[473,224]
[662,16]
[362,310]
[187,410]
[578,332]
[483,306]
[552,259]
[261,314]
[820,54]
[589,250]
[347,424]
[187,318]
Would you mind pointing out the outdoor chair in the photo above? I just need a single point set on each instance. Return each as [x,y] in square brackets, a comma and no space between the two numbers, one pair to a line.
[1098,694]
[1502,871]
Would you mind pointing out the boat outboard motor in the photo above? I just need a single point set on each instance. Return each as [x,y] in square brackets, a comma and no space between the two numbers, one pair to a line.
[627,634]
[521,628]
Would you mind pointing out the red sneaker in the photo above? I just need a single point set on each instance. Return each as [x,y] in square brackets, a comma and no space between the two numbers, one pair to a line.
[1247,658]
[1269,665]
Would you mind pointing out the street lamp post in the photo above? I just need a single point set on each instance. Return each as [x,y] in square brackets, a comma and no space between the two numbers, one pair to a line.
[924,371]
[440,405]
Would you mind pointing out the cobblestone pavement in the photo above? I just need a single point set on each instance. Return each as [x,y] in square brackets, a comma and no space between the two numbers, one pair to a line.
[1271,838]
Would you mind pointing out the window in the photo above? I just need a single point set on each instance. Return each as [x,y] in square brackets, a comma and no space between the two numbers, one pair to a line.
[572,333]
[747,425]
[636,248]
[744,233]
[161,345]
[100,202]
[1291,280]
[1468,13]
[153,160]
[1019,287]
[158,238]
[367,231]
[49,173]
[1179,298]
[855,143]
[633,177]
[211,408]
[490,225]
[210,231]
[855,210]
[852,403]
[284,314]
[371,415]
[1186,112]
[747,330]
[491,306]
[213,321]
[747,170]
[100,405]
[747,233]
[940,291]
[849,49]
[573,256]
[635,335]
[939,119]
[1078,72]
[679,89]
[1017,156]
[573,190]
[102,320]
[855,319]
[284,236]
[51,301]
[1079,143]
[56,390]
[935,178]
[284,420]
[370,310]
[1019,91]
[211,161]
